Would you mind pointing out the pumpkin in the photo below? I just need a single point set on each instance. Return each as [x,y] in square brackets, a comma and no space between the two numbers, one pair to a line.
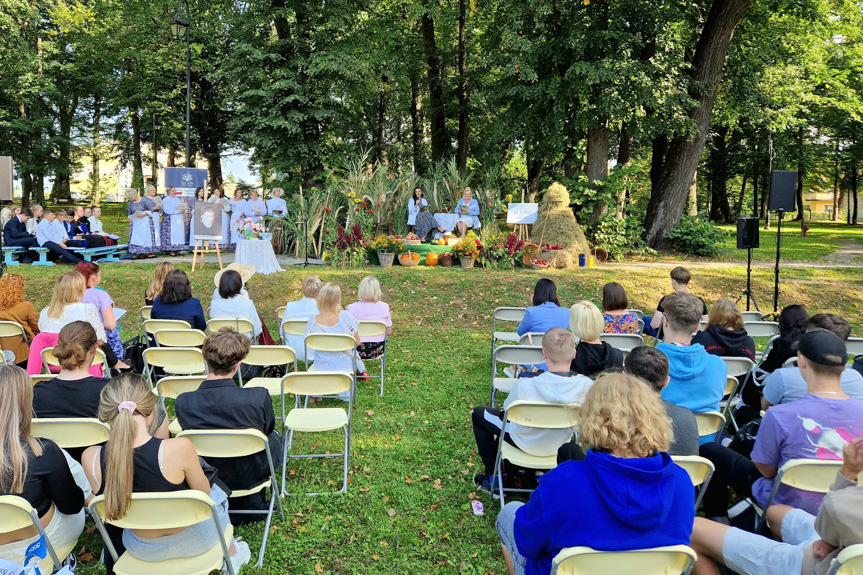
[441,242]
[403,257]
[431,259]
[415,257]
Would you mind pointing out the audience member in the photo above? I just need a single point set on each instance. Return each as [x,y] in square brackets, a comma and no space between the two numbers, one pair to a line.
[544,311]
[583,503]
[51,236]
[617,318]
[231,304]
[371,308]
[82,227]
[680,278]
[15,234]
[304,308]
[697,379]
[35,469]
[787,384]
[36,210]
[7,213]
[157,465]
[557,385]
[15,307]
[813,427]
[175,301]
[155,287]
[94,220]
[809,543]
[246,273]
[103,302]
[593,355]
[725,335]
[220,404]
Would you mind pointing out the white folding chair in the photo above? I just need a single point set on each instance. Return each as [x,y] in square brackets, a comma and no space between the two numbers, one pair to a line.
[238,324]
[232,443]
[737,366]
[17,513]
[638,313]
[709,423]
[700,470]
[318,419]
[173,361]
[535,414]
[179,337]
[751,316]
[622,341]
[270,355]
[369,328]
[814,475]
[171,386]
[641,327]
[671,560]
[512,355]
[49,361]
[761,328]
[71,432]
[333,342]
[167,510]
[507,314]
[854,346]
[531,338]
[280,315]
[702,325]
[848,562]
[297,327]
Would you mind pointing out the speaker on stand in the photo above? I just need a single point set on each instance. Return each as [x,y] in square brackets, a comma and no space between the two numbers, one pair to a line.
[783,196]
[747,239]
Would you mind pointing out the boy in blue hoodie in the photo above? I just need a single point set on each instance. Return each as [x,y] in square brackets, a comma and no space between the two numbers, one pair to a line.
[626,494]
[697,379]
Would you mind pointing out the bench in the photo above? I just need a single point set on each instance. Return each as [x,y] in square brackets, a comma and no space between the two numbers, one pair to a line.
[109,253]
[10,251]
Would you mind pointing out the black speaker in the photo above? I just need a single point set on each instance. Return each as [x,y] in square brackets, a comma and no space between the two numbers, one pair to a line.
[783,191]
[747,233]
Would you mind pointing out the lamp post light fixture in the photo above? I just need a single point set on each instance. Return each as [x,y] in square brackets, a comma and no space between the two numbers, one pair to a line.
[179,29]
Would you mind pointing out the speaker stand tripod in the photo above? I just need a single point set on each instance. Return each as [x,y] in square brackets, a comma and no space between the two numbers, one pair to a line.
[747,293]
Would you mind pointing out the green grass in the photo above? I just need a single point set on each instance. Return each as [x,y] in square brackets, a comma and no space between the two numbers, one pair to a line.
[413,454]
[822,239]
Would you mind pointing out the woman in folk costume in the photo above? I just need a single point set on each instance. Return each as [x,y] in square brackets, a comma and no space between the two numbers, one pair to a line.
[238,211]
[200,196]
[276,206]
[255,207]
[218,197]
[155,214]
[173,232]
[142,233]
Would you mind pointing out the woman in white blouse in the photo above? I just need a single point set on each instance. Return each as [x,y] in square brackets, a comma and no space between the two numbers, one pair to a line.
[276,206]
[218,197]
[232,304]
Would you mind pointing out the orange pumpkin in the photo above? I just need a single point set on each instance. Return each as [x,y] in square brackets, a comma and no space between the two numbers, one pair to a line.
[441,242]
[404,256]
[431,259]
[415,257]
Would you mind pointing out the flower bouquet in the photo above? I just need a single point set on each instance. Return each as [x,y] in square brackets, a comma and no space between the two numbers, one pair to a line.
[251,229]
[467,250]
[387,247]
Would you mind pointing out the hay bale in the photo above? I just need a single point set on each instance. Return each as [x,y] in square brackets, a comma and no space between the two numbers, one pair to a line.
[557,259]
[556,224]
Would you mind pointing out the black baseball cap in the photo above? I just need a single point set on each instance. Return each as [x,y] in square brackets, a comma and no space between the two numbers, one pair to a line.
[823,347]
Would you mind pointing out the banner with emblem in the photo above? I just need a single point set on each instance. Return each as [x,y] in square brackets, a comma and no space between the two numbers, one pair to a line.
[185,180]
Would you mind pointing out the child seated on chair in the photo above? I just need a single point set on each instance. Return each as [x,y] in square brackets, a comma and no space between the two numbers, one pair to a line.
[556,385]
[809,543]
[626,494]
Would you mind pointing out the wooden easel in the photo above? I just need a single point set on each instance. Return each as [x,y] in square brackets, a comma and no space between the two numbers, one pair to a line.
[202,246]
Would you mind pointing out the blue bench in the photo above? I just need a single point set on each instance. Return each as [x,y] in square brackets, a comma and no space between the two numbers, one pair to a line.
[110,253]
[8,252]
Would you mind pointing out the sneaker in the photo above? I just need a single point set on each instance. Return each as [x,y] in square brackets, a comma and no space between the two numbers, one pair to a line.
[490,485]
[241,557]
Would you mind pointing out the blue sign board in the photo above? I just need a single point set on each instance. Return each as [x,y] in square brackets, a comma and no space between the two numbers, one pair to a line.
[186,180]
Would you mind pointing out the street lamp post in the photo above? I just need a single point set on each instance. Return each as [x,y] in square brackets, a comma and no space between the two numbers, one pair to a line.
[180,28]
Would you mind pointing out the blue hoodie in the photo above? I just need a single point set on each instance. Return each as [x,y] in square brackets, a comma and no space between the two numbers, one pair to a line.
[607,503]
[697,379]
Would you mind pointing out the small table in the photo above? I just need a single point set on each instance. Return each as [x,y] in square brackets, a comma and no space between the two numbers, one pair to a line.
[258,253]
[446,221]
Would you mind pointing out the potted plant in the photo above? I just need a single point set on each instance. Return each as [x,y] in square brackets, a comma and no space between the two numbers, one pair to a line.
[467,249]
[387,247]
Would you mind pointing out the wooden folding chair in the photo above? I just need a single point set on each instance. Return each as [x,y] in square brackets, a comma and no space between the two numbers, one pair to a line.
[49,361]
[231,443]
[511,355]
[71,432]
[536,414]
[169,510]
[369,328]
[17,513]
[179,337]
[622,341]
[815,475]
[700,470]
[670,560]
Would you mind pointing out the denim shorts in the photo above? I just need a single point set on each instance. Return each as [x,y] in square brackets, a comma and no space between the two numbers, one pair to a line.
[752,554]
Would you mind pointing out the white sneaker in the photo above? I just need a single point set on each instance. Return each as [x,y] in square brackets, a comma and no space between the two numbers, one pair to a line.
[241,557]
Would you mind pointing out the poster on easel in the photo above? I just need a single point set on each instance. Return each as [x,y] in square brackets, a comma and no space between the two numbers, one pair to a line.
[207,222]
[185,180]
[521,214]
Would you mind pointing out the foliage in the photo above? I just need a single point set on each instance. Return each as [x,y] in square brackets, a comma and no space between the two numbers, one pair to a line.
[348,248]
[618,236]
[468,247]
[388,244]
[502,251]
[697,236]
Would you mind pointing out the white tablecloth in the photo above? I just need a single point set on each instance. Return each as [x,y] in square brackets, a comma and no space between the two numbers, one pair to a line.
[446,221]
[258,253]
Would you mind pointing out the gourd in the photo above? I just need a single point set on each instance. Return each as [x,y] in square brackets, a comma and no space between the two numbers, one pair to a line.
[415,256]
[431,259]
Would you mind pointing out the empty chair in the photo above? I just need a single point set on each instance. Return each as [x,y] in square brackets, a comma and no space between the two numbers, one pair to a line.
[672,560]
[854,345]
[761,328]
[179,337]
[169,387]
[238,324]
[270,355]
[505,314]
[751,316]
[151,326]
[737,366]
[622,341]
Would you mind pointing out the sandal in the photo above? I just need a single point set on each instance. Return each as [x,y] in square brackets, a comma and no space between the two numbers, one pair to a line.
[151,256]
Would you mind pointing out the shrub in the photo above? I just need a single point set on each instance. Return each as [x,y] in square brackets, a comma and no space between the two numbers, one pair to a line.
[619,237]
[697,236]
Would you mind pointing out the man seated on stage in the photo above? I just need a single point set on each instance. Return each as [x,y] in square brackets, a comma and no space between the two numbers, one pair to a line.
[220,404]
[52,237]
[786,384]
[15,234]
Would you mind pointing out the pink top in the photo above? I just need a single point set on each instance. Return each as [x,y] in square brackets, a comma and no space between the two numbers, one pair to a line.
[378,311]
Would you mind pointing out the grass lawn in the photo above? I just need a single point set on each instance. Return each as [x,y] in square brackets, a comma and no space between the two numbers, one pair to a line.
[822,239]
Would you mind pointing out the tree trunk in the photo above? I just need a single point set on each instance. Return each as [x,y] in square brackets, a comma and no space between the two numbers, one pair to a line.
[693,195]
[461,145]
[835,215]
[571,164]
[739,209]
[378,156]
[534,174]
[659,147]
[97,142]
[597,163]
[800,174]
[137,167]
[718,162]
[27,152]
[853,214]
[62,174]
[172,153]
[416,128]
[214,170]
[624,159]
[668,199]
[440,142]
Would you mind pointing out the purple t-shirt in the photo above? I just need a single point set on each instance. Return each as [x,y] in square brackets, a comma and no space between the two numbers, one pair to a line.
[812,427]
[99,298]
[377,311]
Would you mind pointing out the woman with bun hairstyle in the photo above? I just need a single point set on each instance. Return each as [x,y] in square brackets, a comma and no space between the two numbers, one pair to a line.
[133,461]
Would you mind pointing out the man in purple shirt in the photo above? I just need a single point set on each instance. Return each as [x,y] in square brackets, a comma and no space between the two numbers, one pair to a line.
[816,426]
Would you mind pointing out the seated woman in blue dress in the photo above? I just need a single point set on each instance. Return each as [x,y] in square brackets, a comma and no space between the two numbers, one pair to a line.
[467,210]
[545,311]
[176,302]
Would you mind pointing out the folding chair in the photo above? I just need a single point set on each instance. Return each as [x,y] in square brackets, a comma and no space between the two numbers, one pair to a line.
[49,361]
[622,341]
[531,338]
[733,398]
[702,325]
[71,432]
[333,342]
[16,513]
[179,337]
[641,327]
[146,313]
[536,414]
[700,471]
[761,328]
[280,315]
[371,329]
[151,326]
[173,361]
[171,386]
[638,313]
[171,510]
[510,314]
[297,327]
[709,423]
[266,355]
[230,443]
[238,324]
[815,475]
[42,377]
[751,316]
[737,366]
[318,419]
[511,355]
[854,345]
[13,329]
[671,560]
[848,562]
